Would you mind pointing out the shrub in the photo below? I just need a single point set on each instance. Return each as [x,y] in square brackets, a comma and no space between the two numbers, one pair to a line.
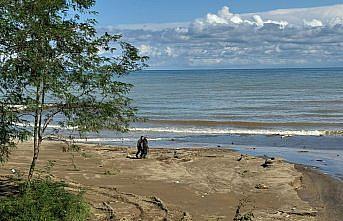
[44,200]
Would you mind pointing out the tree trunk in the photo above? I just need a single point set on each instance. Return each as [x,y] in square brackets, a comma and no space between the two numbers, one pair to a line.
[37,136]
[36,146]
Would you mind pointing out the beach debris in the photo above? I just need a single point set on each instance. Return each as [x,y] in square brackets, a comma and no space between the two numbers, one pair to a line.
[210,156]
[268,163]
[240,158]
[109,211]
[17,174]
[186,217]
[243,217]
[244,172]
[261,186]
[159,203]
[297,212]
[131,156]
[176,155]
[203,195]
[177,181]
[248,216]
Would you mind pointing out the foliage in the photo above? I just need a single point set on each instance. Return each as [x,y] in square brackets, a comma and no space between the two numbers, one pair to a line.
[55,67]
[9,132]
[44,200]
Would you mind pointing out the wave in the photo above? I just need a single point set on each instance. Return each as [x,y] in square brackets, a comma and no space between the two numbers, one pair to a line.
[245,123]
[214,131]
[113,139]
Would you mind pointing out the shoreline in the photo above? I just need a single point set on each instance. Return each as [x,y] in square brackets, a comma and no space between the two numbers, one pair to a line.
[202,183]
[321,190]
[323,152]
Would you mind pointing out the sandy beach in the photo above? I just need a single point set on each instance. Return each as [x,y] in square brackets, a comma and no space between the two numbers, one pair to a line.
[186,184]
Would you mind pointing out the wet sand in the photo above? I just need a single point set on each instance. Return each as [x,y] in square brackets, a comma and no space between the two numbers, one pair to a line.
[322,191]
[186,184]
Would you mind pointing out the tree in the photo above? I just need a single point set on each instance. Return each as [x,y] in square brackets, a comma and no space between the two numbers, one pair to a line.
[55,67]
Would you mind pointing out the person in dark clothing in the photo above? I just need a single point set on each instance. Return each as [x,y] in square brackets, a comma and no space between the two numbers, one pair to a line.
[145,147]
[140,147]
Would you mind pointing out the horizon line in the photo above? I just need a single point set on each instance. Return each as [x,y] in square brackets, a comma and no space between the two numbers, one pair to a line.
[266,68]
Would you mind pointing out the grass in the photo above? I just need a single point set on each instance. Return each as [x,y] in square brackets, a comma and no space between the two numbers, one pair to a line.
[42,200]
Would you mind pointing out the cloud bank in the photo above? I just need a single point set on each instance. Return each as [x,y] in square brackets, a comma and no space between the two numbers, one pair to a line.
[308,37]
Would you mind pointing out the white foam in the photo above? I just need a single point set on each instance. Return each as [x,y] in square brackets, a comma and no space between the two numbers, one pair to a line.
[233,131]
[53,126]
[220,131]
[112,139]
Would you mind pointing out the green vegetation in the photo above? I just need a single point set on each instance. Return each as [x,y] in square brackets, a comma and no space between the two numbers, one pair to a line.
[56,68]
[44,200]
[8,131]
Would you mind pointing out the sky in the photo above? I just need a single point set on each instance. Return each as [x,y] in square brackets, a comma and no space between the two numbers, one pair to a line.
[188,34]
[161,11]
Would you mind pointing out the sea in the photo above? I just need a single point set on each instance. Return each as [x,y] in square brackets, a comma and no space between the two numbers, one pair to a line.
[296,114]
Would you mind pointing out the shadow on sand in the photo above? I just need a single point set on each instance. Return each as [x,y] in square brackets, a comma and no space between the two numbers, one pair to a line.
[8,187]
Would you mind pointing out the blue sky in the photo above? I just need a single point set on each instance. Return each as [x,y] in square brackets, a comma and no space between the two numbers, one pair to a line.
[160,11]
[188,34]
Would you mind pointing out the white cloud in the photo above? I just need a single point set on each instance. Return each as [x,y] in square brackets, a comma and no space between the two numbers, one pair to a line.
[148,50]
[289,37]
[313,23]
[236,19]
[145,49]
[258,20]
[225,17]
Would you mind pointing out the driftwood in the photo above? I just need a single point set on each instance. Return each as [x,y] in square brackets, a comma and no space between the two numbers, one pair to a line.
[110,211]
[157,201]
[302,212]
[268,163]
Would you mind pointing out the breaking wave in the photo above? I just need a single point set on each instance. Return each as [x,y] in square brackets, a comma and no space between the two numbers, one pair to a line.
[134,139]
[214,131]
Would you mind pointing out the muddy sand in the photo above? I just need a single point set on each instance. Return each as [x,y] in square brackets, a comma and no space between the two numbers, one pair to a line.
[186,184]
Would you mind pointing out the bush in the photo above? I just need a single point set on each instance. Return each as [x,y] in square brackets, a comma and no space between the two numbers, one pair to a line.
[44,200]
